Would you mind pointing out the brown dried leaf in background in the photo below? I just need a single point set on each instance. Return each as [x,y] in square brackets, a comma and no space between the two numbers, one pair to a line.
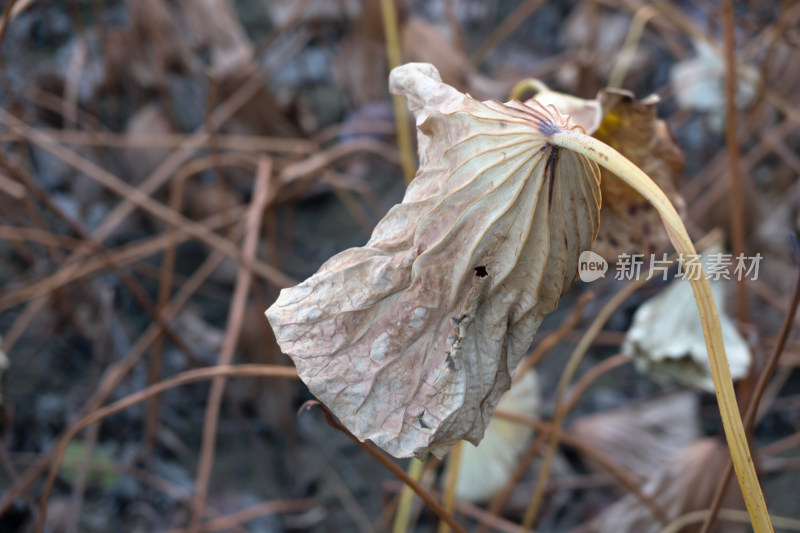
[361,64]
[412,339]
[641,437]
[685,482]
[153,46]
[628,223]
[422,42]
[360,68]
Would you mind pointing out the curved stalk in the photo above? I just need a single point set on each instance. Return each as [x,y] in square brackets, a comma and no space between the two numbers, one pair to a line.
[615,162]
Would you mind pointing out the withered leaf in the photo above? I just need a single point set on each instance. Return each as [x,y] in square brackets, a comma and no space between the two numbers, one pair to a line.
[628,223]
[485,469]
[666,337]
[411,339]
[685,482]
[642,435]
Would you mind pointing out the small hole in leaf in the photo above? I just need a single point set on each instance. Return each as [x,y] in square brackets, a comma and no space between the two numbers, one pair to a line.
[481,272]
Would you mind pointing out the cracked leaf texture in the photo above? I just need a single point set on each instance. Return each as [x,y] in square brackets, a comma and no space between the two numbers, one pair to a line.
[411,339]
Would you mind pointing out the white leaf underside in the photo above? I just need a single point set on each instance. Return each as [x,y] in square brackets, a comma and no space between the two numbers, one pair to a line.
[411,339]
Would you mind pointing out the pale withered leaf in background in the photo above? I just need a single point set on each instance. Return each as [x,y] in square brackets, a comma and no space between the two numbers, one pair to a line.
[699,84]
[628,223]
[666,338]
[643,435]
[485,469]
[411,339]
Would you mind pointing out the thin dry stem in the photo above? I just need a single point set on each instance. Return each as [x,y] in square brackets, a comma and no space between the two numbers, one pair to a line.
[732,142]
[453,465]
[402,518]
[164,292]
[225,523]
[232,334]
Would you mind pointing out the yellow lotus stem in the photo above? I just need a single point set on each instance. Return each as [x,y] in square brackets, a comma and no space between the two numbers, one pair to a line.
[402,520]
[404,142]
[615,162]
[527,88]
[625,57]
[453,466]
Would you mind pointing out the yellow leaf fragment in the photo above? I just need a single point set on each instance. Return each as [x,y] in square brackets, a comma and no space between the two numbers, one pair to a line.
[411,339]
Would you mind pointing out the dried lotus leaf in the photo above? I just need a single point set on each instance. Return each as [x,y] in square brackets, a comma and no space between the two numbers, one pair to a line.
[411,339]
[642,435]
